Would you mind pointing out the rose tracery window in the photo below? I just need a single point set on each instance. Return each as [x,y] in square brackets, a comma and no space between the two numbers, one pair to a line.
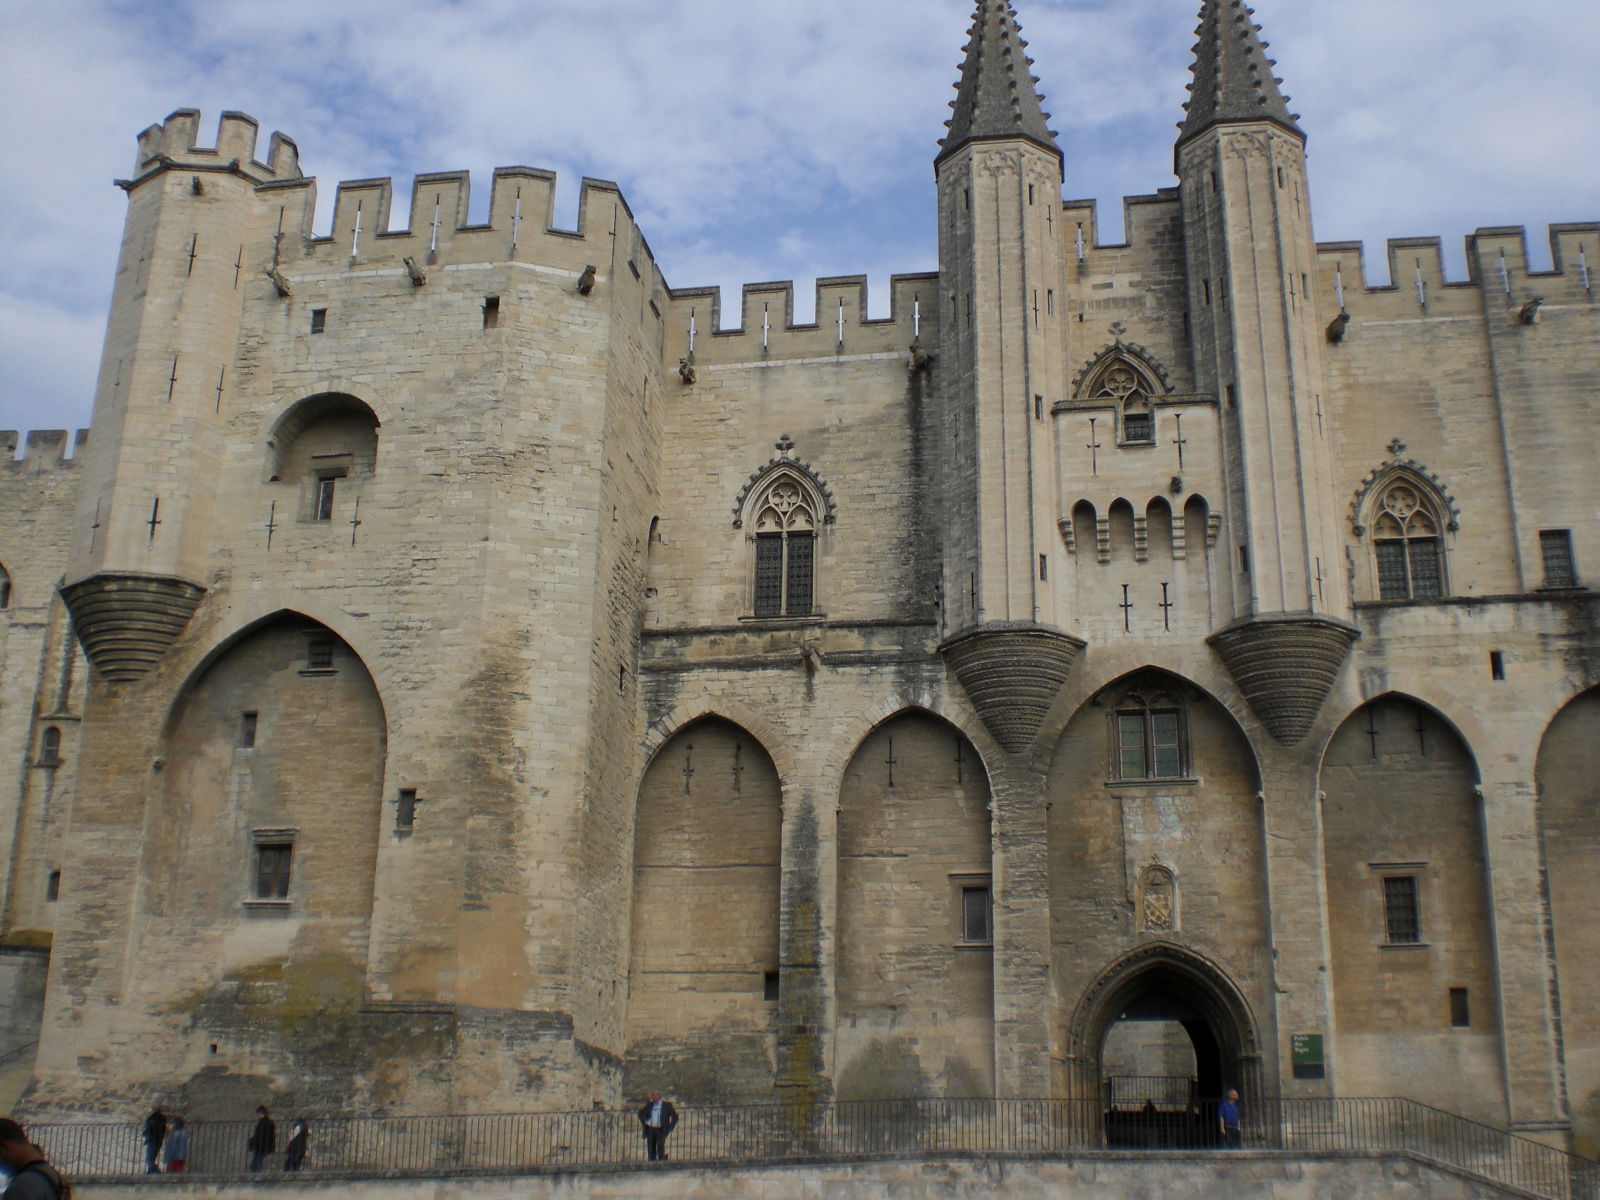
[1136,418]
[785,536]
[1410,557]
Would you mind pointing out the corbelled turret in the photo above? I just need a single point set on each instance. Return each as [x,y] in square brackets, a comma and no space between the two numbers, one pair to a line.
[996,97]
[1258,347]
[1000,264]
[1233,79]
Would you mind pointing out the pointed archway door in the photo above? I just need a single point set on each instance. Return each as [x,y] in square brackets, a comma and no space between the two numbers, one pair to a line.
[1162,1027]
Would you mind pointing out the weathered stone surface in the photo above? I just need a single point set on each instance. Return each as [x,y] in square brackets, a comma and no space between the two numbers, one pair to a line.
[1012,674]
[1286,666]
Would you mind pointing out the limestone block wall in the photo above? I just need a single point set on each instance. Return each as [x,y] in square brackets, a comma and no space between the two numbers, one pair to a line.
[42,676]
[1448,378]
[1399,803]
[1569,825]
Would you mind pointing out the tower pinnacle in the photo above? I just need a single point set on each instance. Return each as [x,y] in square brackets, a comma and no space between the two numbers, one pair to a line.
[997,96]
[1233,78]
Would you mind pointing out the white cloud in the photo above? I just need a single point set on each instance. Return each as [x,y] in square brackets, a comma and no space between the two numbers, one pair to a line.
[755,139]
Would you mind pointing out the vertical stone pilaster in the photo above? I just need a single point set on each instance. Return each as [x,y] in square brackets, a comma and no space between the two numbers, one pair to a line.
[1530,1030]
[805,972]
[1301,975]
[1023,1002]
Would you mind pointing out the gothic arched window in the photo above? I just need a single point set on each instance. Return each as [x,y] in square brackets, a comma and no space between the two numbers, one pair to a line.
[1122,380]
[1407,545]
[785,530]
[1148,736]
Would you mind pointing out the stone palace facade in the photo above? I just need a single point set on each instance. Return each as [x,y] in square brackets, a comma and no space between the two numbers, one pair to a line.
[456,673]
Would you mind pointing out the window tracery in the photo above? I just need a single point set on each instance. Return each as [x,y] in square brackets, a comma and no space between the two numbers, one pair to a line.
[785,536]
[1406,544]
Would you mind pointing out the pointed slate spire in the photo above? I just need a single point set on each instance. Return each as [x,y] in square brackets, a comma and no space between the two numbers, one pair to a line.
[1233,78]
[996,97]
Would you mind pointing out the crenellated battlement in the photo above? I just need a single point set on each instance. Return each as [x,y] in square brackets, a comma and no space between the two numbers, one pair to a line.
[1144,218]
[1497,260]
[521,227]
[42,449]
[767,319]
[175,142]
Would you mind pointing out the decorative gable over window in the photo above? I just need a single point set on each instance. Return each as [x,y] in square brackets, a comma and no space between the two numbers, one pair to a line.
[1128,382]
[783,507]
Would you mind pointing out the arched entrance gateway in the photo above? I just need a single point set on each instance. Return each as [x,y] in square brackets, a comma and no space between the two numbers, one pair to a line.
[1157,1041]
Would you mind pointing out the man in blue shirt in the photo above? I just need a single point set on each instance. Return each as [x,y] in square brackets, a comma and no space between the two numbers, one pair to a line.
[1228,1119]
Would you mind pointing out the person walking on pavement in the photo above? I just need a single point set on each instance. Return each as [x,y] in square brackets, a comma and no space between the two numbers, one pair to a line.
[263,1138]
[659,1118]
[155,1133]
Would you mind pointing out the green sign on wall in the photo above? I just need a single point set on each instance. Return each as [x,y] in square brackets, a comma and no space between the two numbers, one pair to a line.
[1306,1054]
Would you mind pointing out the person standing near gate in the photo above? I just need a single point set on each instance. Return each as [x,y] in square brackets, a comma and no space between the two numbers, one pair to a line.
[659,1118]
[263,1138]
[155,1133]
[1228,1120]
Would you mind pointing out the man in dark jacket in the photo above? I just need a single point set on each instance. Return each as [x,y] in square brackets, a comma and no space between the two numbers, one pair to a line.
[659,1118]
[263,1138]
[155,1133]
[32,1178]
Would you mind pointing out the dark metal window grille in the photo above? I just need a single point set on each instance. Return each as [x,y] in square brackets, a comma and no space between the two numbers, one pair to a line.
[1138,427]
[798,591]
[785,568]
[1556,546]
[769,575]
[273,861]
[1427,579]
[1393,582]
[319,656]
[975,915]
[1401,913]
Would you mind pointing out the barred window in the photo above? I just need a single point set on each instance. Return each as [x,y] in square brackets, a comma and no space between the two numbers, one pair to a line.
[785,536]
[1556,547]
[1402,914]
[1410,558]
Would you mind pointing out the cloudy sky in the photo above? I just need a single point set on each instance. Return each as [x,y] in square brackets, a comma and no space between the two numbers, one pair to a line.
[755,139]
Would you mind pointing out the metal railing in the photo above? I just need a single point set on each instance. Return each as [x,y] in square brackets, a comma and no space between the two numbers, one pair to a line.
[845,1130]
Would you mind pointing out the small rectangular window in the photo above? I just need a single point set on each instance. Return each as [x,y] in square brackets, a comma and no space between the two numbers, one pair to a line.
[1402,915]
[319,320]
[322,509]
[1556,546]
[247,729]
[273,860]
[976,925]
[1460,1011]
[52,887]
[405,809]
[1050,301]
[1038,408]
[319,655]
[491,311]
[769,986]
[1044,568]
[1497,665]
